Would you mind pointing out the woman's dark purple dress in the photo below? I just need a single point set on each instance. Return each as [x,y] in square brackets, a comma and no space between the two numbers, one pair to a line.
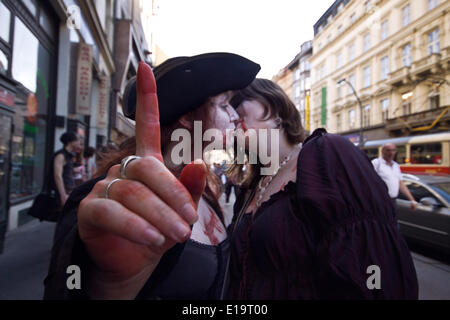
[318,237]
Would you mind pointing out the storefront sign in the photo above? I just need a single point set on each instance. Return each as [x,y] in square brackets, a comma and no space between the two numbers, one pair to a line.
[103,102]
[84,79]
[6,97]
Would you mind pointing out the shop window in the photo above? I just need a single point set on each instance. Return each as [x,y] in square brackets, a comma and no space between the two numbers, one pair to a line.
[3,63]
[430,153]
[32,68]
[5,22]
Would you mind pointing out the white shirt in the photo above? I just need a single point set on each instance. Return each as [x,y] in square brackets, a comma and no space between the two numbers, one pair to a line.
[391,175]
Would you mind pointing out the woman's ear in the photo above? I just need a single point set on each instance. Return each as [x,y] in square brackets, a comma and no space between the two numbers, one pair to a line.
[186,121]
[278,123]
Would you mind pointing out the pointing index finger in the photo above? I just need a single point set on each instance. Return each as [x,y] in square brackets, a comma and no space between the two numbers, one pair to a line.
[148,133]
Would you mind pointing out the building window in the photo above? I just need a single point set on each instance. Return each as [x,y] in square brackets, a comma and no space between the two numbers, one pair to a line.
[297,91]
[320,28]
[352,18]
[5,21]
[339,90]
[4,61]
[366,42]
[297,74]
[384,109]
[366,74]
[366,116]
[384,30]
[351,119]
[406,106]
[406,55]
[302,66]
[432,4]
[338,122]
[351,79]
[351,52]
[340,7]
[339,60]
[307,66]
[330,17]
[434,101]
[322,71]
[406,15]
[308,83]
[384,67]
[434,45]
[368,5]
[339,30]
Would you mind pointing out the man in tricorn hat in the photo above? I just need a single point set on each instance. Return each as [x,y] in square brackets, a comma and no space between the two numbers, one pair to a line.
[149,227]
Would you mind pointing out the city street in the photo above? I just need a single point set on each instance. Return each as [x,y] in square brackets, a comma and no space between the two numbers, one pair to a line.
[24,263]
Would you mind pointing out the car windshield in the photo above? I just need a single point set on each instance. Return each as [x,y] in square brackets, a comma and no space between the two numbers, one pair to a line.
[443,189]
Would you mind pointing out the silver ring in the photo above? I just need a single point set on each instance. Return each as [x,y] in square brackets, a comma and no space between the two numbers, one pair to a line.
[123,165]
[109,187]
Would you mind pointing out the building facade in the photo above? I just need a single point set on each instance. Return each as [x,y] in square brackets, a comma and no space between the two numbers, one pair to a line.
[284,78]
[396,56]
[59,71]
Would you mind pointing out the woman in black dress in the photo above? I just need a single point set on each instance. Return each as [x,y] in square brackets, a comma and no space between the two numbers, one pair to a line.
[323,225]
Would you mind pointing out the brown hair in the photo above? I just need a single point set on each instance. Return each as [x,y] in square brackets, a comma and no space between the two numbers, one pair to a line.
[112,156]
[276,104]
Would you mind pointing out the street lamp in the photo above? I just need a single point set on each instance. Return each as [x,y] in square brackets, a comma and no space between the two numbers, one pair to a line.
[361,138]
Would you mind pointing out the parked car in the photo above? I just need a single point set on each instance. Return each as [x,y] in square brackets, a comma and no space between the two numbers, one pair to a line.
[430,222]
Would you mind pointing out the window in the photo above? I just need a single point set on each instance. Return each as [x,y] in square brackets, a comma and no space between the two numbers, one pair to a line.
[434,45]
[432,4]
[329,38]
[434,101]
[340,7]
[297,91]
[339,60]
[351,79]
[366,77]
[320,28]
[339,30]
[406,55]
[384,30]
[5,21]
[31,6]
[339,90]
[307,66]
[384,67]
[308,83]
[429,153]
[351,119]
[330,17]
[352,18]
[3,63]
[406,106]
[338,122]
[406,15]
[384,110]
[351,52]
[366,116]
[302,66]
[417,191]
[297,74]
[302,85]
[400,156]
[368,5]
[322,71]
[366,42]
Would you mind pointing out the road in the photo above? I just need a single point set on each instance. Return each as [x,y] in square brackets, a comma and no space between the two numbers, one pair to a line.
[24,264]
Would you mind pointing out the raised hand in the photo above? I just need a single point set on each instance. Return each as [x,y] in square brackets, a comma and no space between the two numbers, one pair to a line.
[145,214]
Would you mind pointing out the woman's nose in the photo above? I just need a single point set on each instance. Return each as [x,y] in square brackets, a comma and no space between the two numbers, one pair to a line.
[234,116]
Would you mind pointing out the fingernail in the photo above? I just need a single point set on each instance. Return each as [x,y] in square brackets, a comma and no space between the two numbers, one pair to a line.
[153,237]
[181,233]
[189,213]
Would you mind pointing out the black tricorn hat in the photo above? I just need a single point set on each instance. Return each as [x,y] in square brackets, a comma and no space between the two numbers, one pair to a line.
[184,83]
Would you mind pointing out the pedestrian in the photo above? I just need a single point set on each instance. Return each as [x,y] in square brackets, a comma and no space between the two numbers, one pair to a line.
[149,228]
[229,187]
[62,180]
[390,172]
[318,224]
[78,165]
[89,167]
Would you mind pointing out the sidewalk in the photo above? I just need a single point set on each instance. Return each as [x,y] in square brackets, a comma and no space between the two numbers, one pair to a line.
[24,262]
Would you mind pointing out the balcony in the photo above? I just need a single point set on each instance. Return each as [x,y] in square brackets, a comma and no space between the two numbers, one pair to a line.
[400,76]
[407,124]
[428,64]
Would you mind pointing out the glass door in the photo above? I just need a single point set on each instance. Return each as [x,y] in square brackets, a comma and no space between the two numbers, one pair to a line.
[5,158]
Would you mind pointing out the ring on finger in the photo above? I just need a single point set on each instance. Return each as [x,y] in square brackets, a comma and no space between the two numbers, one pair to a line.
[109,187]
[124,163]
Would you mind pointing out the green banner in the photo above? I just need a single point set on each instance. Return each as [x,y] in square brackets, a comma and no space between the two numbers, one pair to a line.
[324,105]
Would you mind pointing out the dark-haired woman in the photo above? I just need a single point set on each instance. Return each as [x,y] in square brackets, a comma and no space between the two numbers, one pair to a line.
[63,179]
[150,227]
[319,226]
